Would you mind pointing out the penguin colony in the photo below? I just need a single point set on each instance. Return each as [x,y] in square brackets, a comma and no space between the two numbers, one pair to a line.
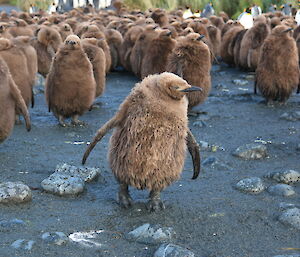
[75,50]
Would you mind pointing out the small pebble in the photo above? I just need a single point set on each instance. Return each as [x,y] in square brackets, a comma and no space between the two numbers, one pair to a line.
[14,192]
[57,238]
[285,206]
[251,185]
[251,151]
[171,250]
[281,190]
[151,234]
[286,177]
[240,82]
[22,243]
[291,217]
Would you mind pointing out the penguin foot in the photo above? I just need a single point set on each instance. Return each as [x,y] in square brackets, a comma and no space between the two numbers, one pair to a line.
[155,205]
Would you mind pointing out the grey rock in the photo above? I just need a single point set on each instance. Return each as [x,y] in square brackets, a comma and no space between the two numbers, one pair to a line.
[203,145]
[286,177]
[240,82]
[281,189]
[220,86]
[171,250]
[251,151]
[215,163]
[290,116]
[298,147]
[248,76]
[199,123]
[285,206]
[63,184]
[57,238]
[14,192]
[8,225]
[151,234]
[288,255]
[23,244]
[222,73]
[291,217]
[251,185]
[86,173]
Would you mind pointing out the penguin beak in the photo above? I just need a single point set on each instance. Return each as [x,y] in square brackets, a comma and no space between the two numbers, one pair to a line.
[287,30]
[169,33]
[199,38]
[191,89]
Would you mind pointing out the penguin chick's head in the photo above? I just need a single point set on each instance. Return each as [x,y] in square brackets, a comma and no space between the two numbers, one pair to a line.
[281,30]
[174,86]
[195,37]
[3,26]
[72,42]
[5,44]
[165,33]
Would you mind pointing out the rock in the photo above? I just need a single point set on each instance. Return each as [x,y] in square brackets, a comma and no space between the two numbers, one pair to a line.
[171,250]
[291,217]
[22,243]
[240,82]
[215,163]
[7,225]
[285,206]
[63,184]
[251,185]
[151,234]
[203,145]
[248,76]
[86,173]
[199,123]
[220,86]
[281,189]
[251,151]
[298,147]
[14,192]
[293,255]
[292,116]
[286,177]
[57,238]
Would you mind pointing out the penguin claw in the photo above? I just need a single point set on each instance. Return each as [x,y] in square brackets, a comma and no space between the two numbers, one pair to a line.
[155,205]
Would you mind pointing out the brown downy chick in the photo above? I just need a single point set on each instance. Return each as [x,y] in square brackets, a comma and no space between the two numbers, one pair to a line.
[215,40]
[23,43]
[20,28]
[277,73]
[17,64]
[4,30]
[97,59]
[226,50]
[160,17]
[94,32]
[46,45]
[148,145]
[190,59]
[139,49]
[236,46]
[64,30]
[251,45]
[157,53]
[10,101]
[70,85]
[129,40]
[115,41]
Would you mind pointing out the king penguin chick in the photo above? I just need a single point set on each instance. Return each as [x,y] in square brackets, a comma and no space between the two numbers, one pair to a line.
[10,101]
[147,148]
[70,84]
[277,73]
[190,60]
[157,53]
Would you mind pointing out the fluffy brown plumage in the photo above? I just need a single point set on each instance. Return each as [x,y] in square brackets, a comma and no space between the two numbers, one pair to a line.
[46,45]
[70,84]
[190,60]
[17,64]
[139,49]
[114,41]
[97,59]
[277,73]
[10,101]
[157,53]
[148,145]
[215,39]
[251,45]
[20,28]
[64,30]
